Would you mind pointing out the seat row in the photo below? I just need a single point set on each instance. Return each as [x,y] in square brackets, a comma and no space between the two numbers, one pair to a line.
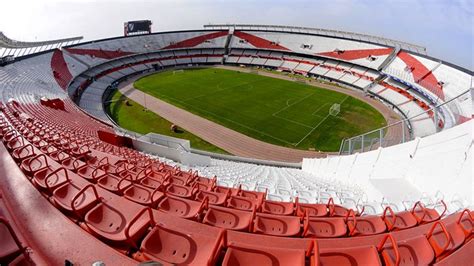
[149,187]
[152,234]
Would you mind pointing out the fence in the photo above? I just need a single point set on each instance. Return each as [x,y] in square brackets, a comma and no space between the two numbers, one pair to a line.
[401,131]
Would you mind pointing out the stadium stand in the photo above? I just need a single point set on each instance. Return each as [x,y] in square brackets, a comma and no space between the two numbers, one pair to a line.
[400,205]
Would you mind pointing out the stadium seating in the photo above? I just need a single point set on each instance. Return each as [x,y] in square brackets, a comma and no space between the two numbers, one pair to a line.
[128,206]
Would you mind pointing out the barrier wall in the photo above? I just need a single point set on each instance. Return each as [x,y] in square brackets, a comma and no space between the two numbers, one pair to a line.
[424,166]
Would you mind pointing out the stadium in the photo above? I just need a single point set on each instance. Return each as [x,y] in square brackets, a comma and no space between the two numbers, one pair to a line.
[234,144]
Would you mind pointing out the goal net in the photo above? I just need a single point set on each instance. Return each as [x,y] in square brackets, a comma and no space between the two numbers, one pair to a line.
[178,71]
[335,109]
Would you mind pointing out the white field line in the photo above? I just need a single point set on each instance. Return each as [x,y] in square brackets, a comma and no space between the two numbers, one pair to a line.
[291,121]
[314,128]
[288,106]
[317,110]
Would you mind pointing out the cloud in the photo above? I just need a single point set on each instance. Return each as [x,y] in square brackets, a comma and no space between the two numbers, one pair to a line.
[443,26]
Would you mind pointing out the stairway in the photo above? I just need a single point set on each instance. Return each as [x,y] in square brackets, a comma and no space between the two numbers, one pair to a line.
[227,44]
[390,58]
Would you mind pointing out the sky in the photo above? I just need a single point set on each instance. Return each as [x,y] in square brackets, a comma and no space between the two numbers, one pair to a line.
[444,27]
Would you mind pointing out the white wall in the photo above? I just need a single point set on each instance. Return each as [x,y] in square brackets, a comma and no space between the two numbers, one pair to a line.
[440,162]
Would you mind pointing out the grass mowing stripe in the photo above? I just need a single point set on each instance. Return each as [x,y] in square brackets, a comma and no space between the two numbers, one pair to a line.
[249,105]
[237,123]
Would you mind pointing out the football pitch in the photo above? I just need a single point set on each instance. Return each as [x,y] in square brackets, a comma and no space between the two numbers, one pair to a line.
[273,110]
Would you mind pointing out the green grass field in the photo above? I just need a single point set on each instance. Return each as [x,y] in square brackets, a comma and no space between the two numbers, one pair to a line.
[273,110]
[133,117]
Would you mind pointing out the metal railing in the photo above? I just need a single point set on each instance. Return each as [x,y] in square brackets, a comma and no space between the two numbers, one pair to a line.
[387,135]
[14,48]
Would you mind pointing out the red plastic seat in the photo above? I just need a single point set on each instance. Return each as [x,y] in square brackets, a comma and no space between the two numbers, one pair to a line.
[181,247]
[277,225]
[203,186]
[260,196]
[324,227]
[80,150]
[229,218]
[15,143]
[114,183]
[313,210]
[227,190]
[215,198]
[243,254]
[73,199]
[152,183]
[41,144]
[365,225]
[72,163]
[143,195]
[412,251]
[189,176]
[243,203]
[49,179]
[112,169]
[177,181]
[362,255]
[33,164]
[59,156]
[278,208]
[119,223]
[6,130]
[184,208]
[399,220]
[427,215]
[205,180]
[181,191]
[129,168]
[48,149]
[186,177]
[466,223]
[158,175]
[445,239]
[90,173]
[9,135]
[22,153]
[337,210]
[462,256]
[93,160]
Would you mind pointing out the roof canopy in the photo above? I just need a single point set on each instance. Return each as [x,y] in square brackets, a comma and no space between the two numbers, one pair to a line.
[6,42]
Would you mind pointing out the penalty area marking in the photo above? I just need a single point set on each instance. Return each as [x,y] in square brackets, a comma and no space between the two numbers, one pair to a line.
[314,128]
[317,110]
[288,106]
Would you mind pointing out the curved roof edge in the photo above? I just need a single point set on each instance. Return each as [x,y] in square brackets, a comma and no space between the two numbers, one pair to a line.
[6,42]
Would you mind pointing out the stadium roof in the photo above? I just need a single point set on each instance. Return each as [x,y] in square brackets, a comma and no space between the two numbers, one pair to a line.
[325,32]
[6,42]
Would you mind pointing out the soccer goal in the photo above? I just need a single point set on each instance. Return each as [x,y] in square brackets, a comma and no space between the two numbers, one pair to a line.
[335,109]
[178,71]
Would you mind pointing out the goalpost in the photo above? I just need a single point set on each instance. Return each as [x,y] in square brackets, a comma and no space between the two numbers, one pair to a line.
[178,71]
[335,109]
